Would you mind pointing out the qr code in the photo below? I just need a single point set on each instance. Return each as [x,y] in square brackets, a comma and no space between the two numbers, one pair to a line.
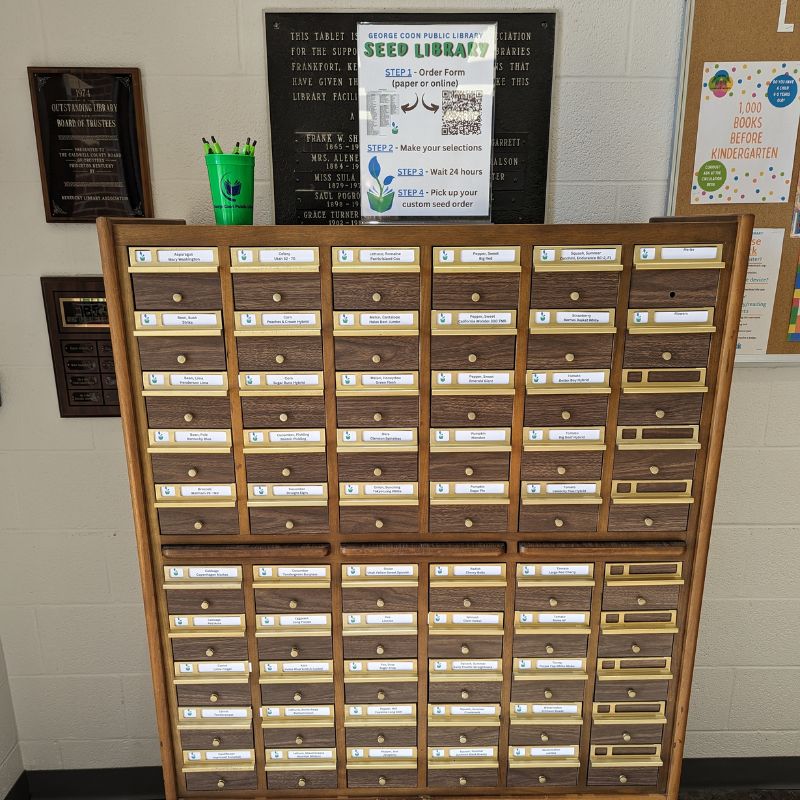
[462,112]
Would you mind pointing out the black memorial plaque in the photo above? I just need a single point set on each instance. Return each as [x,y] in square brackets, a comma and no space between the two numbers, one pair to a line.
[313,96]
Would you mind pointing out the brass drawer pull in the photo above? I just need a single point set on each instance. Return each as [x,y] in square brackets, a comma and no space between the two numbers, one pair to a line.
[660,413]
[204,605]
[464,649]
[558,522]
[464,694]
[280,358]
[631,693]
[293,604]
[377,472]
[301,782]
[220,784]
[377,416]
[544,737]
[561,470]
[569,357]
[289,524]
[654,470]
[381,738]
[181,358]
[626,737]
[553,601]
[666,355]
[378,523]
[376,297]
[623,778]
[216,741]
[566,415]
[188,416]
[380,602]
[297,697]
[471,415]
[283,417]
[635,648]
[192,472]
[475,297]
[277,297]
[472,358]
[294,652]
[177,297]
[298,740]
[381,694]
[213,697]
[462,739]
[286,472]
[462,781]
[641,601]
[549,649]
[467,602]
[381,781]
[648,521]
[542,779]
[574,295]
[548,694]
[468,523]
[469,471]
[376,359]
[198,525]
[380,649]
[209,651]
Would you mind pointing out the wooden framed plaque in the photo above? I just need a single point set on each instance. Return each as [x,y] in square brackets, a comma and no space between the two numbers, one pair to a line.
[91,140]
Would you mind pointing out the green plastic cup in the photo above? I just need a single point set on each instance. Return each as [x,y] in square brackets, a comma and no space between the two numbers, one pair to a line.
[230,178]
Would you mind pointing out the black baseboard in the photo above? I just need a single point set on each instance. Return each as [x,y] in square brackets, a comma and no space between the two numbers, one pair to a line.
[145,783]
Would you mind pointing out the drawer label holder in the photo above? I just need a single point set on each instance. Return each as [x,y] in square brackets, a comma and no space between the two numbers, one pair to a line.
[569,258]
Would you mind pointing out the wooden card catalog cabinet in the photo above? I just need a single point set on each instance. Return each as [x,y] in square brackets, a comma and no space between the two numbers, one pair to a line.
[423,511]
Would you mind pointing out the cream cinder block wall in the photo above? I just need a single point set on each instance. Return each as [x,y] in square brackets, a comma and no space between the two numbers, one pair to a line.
[70,609]
[10,756]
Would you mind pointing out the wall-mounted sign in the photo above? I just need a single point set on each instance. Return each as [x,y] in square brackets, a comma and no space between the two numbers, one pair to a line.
[425,109]
[91,140]
[759,291]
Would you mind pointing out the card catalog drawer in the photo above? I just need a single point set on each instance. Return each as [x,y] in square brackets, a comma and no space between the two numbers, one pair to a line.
[574,289]
[468,736]
[619,776]
[366,352]
[283,412]
[389,778]
[373,291]
[557,645]
[196,601]
[563,464]
[458,691]
[256,353]
[170,292]
[387,466]
[645,644]
[489,411]
[676,350]
[475,598]
[623,598]
[489,518]
[462,777]
[188,412]
[666,464]
[219,781]
[546,691]
[481,290]
[189,352]
[377,734]
[526,777]
[558,409]
[626,734]
[210,468]
[468,644]
[224,739]
[622,690]
[578,352]
[386,597]
[284,519]
[377,412]
[198,520]
[552,735]
[477,465]
[214,648]
[563,598]
[473,352]
[383,518]
[564,518]
[302,778]
[275,694]
[289,646]
[667,517]
[276,600]
[286,467]
[281,291]
[292,734]
[380,646]
[660,409]
[377,692]
[218,694]
[674,287]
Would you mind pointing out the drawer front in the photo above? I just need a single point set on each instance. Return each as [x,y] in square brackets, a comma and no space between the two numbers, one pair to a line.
[678,350]
[279,353]
[483,290]
[463,412]
[466,518]
[462,778]
[644,645]
[557,645]
[473,352]
[468,736]
[289,519]
[475,598]
[172,292]
[659,517]
[188,412]
[459,691]
[381,778]
[302,779]
[202,521]
[303,694]
[384,735]
[660,409]
[223,739]
[377,412]
[389,692]
[182,352]
[292,601]
[476,466]
[544,734]
[375,292]
[679,288]
[281,291]
[377,646]
[615,691]
[304,648]
[391,466]
[563,465]
[286,467]
[217,694]
[283,412]
[221,781]
[197,601]
[554,518]
[368,519]
[622,776]
[627,734]
[387,598]
[216,648]
[289,736]
[524,777]
[562,598]
[554,691]
[368,353]
[566,409]
[575,351]
[664,464]
[211,468]
[458,646]
[625,598]
[574,289]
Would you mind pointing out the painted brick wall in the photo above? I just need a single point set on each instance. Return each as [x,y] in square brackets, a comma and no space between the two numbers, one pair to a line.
[70,611]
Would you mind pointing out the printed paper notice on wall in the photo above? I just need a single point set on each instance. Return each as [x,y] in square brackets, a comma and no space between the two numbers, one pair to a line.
[794,314]
[425,107]
[746,133]
[759,291]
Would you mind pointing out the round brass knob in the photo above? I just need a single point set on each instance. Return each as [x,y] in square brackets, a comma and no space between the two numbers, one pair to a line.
[469,471]
[566,415]
[467,602]
[301,782]
[216,741]
[471,415]
[381,738]
[623,779]
[192,472]
[289,524]
[198,525]
[626,737]
[376,297]
[377,472]
[204,605]
[468,523]
[548,694]
[220,784]
[542,779]
[209,651]
[376,359]
[549,649]
[472,358]
[188,416]
[631,693]
[378,523]
[641,601]
[574,295]
[293,604]
[294,652]
[464,649]
[475,297]
[381,781]
[654,470]
[381,694]
[286,472]
[213,697]
[377,416]
[666,355]
[635,648]
[561,470]
[544,737]
[297,697]
[298,740]
[660,413]
[464,694]
[648,521]
[462,781]
[553,601]
[277,297]
[569,357]
[380,649]
[380,602]
[181,359]
[283,417]
[279,359]
[558,522]
[462,739]
[177,297]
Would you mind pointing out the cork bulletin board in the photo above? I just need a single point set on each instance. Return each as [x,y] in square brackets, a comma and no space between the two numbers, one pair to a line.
[736,31]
